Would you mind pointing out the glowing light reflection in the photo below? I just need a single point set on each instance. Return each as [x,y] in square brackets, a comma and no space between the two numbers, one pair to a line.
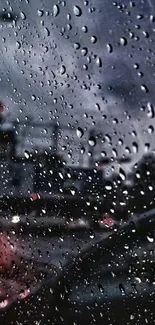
[15,219]
[4,303]
[24,294]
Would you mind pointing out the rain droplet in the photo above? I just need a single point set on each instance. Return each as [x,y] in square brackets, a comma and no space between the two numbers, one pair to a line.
[62,69]
[77,11]
[79,132]
[85,29]
[101,288]
[26,154]
[97,106]
[114,152]
[122,174]
[40,12]
[61,175]
[138,175]
[133,285]
[150,112]
[33,97]
[108,186]
[22,15]
[107,138]
[137,279]
[55,10]
[76,46]
[99,62]
[147,147]
[152,19]
[123,41]
[144,88]
[109,48]
[139,16]
[91,234]
[73,192]
[92,141]
[150,129]
[135,147]
[47,32]
[84,51]
[121,288]
[150,239]
[93,39]
[18,44]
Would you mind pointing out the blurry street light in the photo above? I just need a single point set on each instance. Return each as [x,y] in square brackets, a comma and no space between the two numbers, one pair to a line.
[15,219]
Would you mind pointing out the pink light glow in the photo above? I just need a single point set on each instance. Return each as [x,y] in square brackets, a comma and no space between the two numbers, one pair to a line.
[106,220]
[4,303]
[24,294]
[8,251]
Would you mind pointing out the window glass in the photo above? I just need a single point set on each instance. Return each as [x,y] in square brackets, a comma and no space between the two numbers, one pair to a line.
[77,159]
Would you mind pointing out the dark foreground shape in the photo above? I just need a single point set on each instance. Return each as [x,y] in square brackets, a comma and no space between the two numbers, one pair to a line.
[111,283]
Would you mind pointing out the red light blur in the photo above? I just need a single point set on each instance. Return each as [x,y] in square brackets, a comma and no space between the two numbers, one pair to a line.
[34,196]
[24,294]
[4,303]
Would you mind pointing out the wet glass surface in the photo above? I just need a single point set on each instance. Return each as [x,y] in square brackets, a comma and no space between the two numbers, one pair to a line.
[77,162]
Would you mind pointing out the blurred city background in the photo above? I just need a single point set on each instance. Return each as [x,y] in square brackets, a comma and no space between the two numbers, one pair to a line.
[77,154]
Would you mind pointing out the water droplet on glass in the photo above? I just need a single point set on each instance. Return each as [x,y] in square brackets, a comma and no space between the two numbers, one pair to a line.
[147,147]
[150,129]
[101,289]
[62,69]
[138,175]
[108,186]
[61,175]
[150,239]
[152,19]
[76,46]
[72,192]
[77,11]
[97,106]
[79,132]
[40,13]
[122,174]
[22,15]
[114,152]
[121,288]
[26,154]
[18,44]
[93,39]
[85,29]
[108,138]
[33,97]
[109,48]
[139,16]
[84,51]
[55,10]
[92,141]
[123,41]
[137,279]
[99,62]
[47,32]
[135,147]
[150,112]
[86,3]
[91,234]
[144,88]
